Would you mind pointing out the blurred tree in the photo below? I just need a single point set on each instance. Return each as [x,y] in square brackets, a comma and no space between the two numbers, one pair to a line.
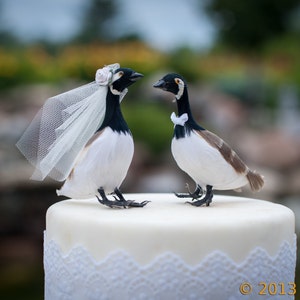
[95,19]
[7,39]
[249,24]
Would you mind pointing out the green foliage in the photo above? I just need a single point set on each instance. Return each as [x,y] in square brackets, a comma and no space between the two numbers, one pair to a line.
[284,53]
[22,281]
[150,124]
[45,64]
[250,24]
[185,61]
[98,13]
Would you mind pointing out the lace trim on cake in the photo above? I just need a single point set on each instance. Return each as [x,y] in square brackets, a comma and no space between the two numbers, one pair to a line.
[77,275]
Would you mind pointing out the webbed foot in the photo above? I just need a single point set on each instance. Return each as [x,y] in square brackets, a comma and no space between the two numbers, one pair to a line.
[120,201]
[194,195]
[207,198]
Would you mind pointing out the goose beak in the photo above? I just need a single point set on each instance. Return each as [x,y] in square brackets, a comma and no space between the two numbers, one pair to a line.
[136,76]
[159,84]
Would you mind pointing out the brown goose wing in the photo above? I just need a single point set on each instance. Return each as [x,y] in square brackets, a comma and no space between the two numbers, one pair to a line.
[256,181]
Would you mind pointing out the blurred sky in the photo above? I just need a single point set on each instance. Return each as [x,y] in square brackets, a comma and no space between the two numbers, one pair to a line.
[163,24]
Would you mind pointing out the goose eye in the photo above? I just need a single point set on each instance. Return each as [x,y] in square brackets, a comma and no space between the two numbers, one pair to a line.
[178,81]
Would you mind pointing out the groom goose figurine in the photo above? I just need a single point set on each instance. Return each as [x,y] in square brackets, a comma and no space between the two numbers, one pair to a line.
[205,157]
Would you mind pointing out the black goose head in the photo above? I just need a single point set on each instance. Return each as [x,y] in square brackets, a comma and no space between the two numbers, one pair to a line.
[173,83]
[123,78]
[176,84]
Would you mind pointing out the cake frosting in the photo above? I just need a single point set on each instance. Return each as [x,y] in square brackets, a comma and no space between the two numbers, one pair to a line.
[250,239]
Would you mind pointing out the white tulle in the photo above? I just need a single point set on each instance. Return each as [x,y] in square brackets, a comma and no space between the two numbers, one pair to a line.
[64,125]
[76,275]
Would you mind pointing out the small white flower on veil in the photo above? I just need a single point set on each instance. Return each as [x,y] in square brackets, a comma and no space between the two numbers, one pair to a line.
[103,76]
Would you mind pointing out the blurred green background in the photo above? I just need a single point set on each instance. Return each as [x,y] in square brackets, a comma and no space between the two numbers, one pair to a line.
[242,62]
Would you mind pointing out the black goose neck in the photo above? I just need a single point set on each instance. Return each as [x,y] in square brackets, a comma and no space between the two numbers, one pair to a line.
[183,106]
[113,114]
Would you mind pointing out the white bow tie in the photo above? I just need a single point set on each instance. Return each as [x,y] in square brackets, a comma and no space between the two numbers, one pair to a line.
[179,120]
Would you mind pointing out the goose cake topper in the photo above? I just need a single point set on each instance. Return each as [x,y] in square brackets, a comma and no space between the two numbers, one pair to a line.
[81,137]
[205,157]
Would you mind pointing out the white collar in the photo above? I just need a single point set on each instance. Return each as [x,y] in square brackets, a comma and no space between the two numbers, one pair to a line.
[180,91]
[115,92]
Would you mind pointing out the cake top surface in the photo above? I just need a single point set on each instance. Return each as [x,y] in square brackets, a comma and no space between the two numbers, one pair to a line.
[233,225]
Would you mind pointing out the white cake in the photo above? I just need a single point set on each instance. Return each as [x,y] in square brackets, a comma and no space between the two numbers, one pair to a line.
[169,250]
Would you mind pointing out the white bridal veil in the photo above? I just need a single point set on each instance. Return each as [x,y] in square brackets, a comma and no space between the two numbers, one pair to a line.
[64,125]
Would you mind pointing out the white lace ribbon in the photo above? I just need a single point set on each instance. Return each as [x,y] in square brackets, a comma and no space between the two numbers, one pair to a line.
[64,125]
[77,275]
[179,120]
